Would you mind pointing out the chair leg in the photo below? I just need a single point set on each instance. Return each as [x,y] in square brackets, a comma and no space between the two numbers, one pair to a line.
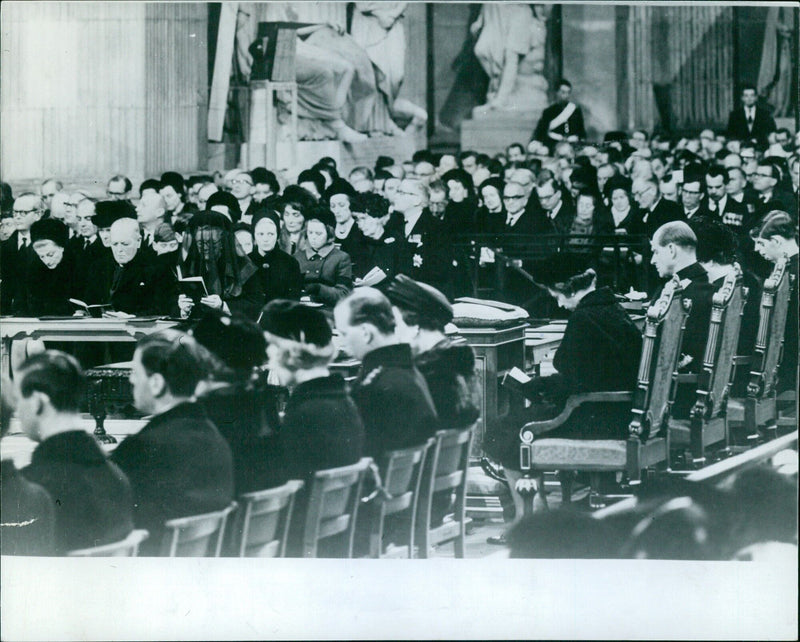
[566,477]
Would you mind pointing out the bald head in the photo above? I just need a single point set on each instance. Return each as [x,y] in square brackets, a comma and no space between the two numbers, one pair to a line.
[125,239]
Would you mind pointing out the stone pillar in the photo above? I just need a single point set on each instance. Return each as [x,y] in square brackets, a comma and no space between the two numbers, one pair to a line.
[589,35]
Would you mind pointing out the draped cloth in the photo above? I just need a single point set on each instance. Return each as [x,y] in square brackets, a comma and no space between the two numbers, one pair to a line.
[775,73]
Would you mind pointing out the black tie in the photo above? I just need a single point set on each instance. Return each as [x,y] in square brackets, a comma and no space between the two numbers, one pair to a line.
[85,243]
[24,242]
[750,121]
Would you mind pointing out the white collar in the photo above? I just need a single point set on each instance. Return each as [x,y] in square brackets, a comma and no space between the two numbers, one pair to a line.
[411,221]
[554,212]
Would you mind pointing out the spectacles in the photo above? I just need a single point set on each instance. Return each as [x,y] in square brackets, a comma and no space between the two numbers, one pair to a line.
[546,197]
[763,175]
[21,213]
[407,193]
[240,181]
[691,191]
[110,193]
[641,191]
[513,198]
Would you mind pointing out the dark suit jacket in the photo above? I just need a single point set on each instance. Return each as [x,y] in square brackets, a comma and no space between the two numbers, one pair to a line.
[664,212]
[428,253]
[93,501]
[143,287]
[763,125]
[28,515]
[573,125]
[394,401]
[14,263]
[179,465]
[735,215]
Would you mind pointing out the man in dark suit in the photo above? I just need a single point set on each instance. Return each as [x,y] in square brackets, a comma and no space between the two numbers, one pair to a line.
[426,249]
[562,120]
[770,196]
[93,500]
[391,394]
[776,238]
[750,120]
[178,464]
[558,211]
[654,211]
[16,253]
[692,202]
[138,287]
[721,206]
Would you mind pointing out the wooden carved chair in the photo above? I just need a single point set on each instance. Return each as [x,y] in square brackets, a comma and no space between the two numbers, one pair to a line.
[262,522]
[128,547]
[707,424]
[445,471]
[759,410]
[333,502]
[647,443]
[395,501]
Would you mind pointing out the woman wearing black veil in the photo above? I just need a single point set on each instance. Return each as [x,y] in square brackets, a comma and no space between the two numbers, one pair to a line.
[212,252]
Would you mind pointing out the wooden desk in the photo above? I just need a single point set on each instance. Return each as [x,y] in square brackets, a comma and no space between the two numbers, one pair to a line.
[77,329]
[497,350]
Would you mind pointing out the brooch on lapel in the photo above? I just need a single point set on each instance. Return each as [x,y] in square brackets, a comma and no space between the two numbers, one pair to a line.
[417,260]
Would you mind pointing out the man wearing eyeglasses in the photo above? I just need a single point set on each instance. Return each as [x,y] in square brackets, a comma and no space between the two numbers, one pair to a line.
[118,188]
[654,210]
[558,211]
[426,249]
[770,196]
[692,198]
[16,253]
[242,189]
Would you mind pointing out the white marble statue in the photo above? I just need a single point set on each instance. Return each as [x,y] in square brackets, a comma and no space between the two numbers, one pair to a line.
[511,49]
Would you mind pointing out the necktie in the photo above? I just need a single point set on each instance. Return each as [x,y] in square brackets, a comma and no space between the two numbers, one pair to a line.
[750,120]
[24,242]
[85,243]
[510,220]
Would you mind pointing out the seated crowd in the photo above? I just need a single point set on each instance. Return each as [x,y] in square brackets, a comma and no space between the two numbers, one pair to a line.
[242,397]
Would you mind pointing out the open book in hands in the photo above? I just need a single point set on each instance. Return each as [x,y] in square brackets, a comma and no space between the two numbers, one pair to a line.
[371,278]
[95,310]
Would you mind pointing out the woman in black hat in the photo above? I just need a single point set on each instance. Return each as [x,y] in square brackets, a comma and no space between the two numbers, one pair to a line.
[212,252]
[600,351]
[327,271]
[49,281]
[278,272]
[321,425]
[382,256]
[339,198]
[422,312]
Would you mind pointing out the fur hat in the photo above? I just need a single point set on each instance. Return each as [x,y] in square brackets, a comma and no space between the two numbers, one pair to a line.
[50,229]
[296,322]
[423,299]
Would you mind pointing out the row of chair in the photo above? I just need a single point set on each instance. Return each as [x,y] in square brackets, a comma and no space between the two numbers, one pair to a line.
[655,438]
[403,496]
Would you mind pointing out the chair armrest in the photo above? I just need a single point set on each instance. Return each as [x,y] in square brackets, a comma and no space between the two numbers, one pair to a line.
[534,428]
[742,360]
[687,377]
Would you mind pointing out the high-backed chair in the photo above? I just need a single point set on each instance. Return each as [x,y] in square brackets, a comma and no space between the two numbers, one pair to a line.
[647,443]
[196,535]
[261,525]
[707,424]
[395,500]
[333,502]
[128,547]
[444,472]
[758,411]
